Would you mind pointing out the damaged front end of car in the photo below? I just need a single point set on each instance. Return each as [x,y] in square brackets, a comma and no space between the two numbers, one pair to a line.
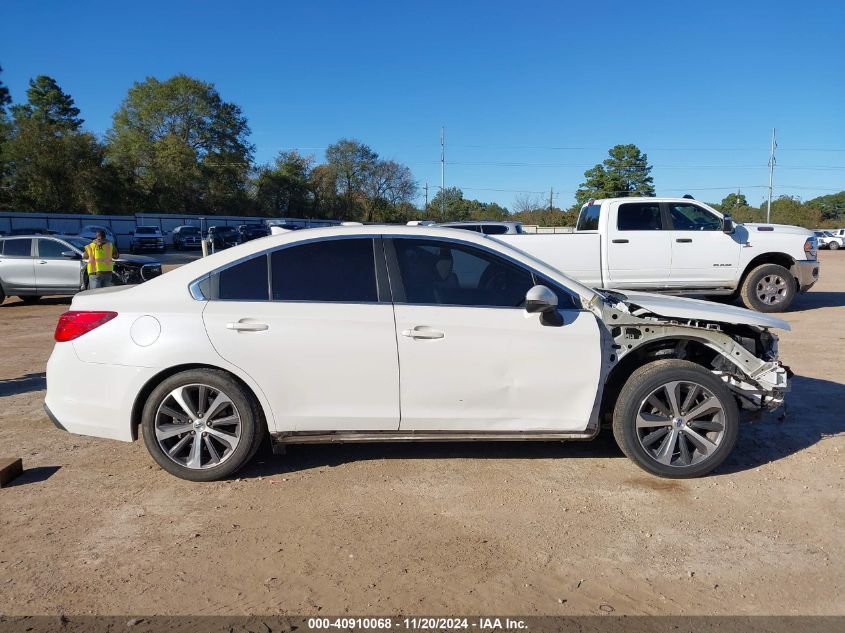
[743,355]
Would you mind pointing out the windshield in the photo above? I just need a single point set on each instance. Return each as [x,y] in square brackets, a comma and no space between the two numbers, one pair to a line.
[77,242]
[190,230]
[146,230]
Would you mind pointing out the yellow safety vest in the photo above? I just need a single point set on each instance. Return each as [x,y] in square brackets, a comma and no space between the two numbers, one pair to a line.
[100,257]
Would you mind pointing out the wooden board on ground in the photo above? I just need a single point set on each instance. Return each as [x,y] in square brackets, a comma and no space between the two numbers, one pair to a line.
[9,469]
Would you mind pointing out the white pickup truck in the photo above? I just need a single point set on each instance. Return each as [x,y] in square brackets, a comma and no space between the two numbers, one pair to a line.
[679,246]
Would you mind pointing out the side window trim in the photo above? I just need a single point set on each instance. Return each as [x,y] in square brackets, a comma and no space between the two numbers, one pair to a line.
[204,288]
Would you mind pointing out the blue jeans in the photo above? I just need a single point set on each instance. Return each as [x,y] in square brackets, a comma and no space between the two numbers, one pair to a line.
[100,280]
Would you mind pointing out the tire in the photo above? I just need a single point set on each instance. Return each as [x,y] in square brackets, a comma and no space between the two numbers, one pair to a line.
[242,437]
[698,445]
[29,298]
[2,295]
[834,246]
[768,288]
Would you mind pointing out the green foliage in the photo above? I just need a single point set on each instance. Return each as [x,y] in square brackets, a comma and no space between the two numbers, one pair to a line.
[831,207]
[547,217]
[625,172]
[732,202]
[284,188]
[449,205]
[49,164]
[182,147]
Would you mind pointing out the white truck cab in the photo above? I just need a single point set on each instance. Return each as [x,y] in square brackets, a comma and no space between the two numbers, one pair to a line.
[682,246]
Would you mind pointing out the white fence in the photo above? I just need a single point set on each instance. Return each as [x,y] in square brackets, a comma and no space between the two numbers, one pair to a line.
[122,225]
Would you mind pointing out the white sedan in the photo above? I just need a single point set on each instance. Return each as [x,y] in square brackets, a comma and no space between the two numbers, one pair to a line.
[386,333]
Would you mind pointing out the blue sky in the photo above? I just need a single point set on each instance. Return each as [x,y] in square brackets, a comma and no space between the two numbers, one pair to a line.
[531,93]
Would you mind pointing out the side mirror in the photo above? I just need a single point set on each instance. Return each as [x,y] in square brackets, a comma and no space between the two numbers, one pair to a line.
[71,255]
[540,299]
[728,225]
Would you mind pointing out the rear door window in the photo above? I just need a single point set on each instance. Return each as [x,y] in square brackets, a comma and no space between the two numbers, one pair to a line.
[588,220]
[341,271]
[495,229]
[639,216]
[246,281]
[18,248]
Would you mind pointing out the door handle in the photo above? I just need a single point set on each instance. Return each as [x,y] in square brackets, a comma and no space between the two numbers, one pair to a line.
[620,241]
[240,326]
[684,240]
[42,262]
[422,332]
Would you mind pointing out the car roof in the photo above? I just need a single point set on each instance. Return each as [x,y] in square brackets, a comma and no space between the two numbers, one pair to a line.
[196,269]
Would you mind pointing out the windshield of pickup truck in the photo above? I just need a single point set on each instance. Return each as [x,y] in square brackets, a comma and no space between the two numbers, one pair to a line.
[588,220]
[146,230]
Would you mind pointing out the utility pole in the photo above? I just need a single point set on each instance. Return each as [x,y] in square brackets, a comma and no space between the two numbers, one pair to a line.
[442,173]
[426,193]
[551,196]
[771,177]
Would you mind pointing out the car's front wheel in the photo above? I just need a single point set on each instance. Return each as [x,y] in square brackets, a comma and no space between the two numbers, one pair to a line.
[834,246]
[768,288]
[675,419]
[202,425]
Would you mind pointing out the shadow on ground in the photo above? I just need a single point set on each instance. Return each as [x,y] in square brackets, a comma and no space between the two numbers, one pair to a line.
[813,413]
[813,300]
[36,475]
[24,384]
[14,302]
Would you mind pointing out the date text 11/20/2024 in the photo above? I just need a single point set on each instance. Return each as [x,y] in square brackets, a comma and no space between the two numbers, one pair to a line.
[418,623]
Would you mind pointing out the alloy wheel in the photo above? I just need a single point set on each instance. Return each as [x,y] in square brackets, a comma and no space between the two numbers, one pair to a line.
[772,289]
[198,426]
[681,423]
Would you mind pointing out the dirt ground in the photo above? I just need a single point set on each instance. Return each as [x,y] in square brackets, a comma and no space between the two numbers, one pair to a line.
[94,526]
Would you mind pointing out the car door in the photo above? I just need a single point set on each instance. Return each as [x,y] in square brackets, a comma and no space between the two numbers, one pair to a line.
[471,358]
[321,341]
[702,254]
[17,267]
[53,271]
[639,250]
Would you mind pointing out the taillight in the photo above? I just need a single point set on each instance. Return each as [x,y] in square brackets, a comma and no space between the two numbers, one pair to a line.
[75,323]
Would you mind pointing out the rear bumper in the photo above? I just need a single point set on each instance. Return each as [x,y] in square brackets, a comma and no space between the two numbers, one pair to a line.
[92,398]
[807,274]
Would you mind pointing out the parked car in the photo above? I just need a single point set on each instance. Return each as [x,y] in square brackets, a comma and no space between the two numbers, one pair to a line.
[679,245]
[187,236]
[90,232]
[487,227]
[826,239]
[146,238]
[35,266]
[249,232]
[223,237]
[303,336]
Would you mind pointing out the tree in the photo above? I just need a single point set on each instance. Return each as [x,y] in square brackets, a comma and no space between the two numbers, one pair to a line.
[284,188]
[183,147]
[49,163]
[5,96]
[732,202]
[388,184]
[49,105]
[353,163]
[625,172]
[5,133]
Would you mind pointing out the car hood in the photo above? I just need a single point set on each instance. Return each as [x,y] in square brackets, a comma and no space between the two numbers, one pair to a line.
[137,259]
[684,308]
[757,228]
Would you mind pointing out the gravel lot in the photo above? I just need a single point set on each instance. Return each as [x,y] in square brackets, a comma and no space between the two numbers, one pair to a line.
[94,526]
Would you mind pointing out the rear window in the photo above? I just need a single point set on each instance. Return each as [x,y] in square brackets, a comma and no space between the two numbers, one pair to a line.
[495,229]
[17,248]
[588,220]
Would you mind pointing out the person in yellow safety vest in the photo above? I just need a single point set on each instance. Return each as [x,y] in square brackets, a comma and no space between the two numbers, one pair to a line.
[100,255]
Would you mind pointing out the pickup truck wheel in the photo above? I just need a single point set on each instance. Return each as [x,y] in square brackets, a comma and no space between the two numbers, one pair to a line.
[675,419]
[201,425]
[834,246]
[768,288]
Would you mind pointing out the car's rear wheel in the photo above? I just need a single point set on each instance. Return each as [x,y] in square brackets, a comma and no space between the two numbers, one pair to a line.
[834,246]
[675,419]
[202,425]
